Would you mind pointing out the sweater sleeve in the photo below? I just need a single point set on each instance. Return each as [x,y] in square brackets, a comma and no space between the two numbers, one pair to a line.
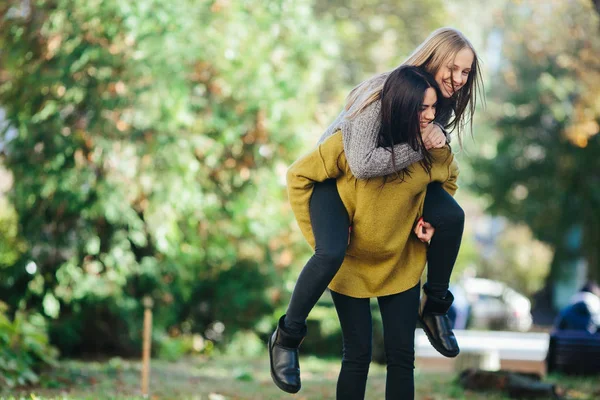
[451,184]
[320,164]
[365,158]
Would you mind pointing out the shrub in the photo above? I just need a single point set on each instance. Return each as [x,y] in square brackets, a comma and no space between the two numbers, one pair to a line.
[24,348]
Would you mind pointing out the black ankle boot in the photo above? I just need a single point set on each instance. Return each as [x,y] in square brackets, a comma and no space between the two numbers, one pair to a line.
[433,315]
[283,354]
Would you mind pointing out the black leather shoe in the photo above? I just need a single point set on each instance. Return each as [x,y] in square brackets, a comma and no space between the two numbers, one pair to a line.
[283,354]
[433,315]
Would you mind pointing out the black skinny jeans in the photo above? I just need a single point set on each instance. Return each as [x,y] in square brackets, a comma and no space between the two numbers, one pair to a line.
[399,317]
[448,219]
[330,223]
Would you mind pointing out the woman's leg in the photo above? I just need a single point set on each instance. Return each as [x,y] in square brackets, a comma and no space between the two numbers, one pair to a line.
[447,217]
[399,316]
[330,223]
[357,332]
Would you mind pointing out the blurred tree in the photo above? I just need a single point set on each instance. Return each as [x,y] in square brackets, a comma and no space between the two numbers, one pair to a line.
[378,36]
[522,267]
[11,245]
[147,136]
[544,169]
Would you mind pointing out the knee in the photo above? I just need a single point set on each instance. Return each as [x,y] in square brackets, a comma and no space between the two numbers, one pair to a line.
[403,358]
[453,218]
[358,356]
[332,256]
[357,349]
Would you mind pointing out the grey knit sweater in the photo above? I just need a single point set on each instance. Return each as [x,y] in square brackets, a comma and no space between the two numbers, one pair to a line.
[360,134]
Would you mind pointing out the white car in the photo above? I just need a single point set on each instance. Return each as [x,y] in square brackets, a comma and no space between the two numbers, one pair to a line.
[494,305]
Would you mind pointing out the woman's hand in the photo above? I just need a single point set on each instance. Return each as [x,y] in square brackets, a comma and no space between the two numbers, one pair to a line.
[424,230]
[433,137]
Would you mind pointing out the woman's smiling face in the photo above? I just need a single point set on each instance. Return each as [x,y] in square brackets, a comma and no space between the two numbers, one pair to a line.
[427,111]
[454,75]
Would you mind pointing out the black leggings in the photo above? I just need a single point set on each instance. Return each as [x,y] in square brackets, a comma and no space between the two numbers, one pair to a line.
[448,219]
[399,317]
[330,223]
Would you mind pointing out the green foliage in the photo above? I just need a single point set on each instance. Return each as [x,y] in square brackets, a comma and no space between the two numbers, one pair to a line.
[11,245]
[516,259]
[24,348]
[377,36]
[12,248]
[148,142]
[173,348]
[544,167]
[246,344]
[147,134]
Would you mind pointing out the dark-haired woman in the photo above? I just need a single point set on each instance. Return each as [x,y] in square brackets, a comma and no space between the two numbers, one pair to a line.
[384,259]
[452,60]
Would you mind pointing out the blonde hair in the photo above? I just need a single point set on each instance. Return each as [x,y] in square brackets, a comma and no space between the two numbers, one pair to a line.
[442,45]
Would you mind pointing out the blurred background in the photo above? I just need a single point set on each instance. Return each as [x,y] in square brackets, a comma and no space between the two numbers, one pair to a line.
[144,145]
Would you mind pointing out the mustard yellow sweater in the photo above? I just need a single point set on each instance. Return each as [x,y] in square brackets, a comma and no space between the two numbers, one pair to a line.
[384,256]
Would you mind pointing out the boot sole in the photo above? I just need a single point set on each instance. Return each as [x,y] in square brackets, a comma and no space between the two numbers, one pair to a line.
[435,345]
[280,385]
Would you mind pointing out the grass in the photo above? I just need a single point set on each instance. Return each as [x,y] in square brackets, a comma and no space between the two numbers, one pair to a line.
[226,378]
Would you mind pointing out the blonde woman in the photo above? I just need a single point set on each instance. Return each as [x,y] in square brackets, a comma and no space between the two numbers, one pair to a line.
[448,56]
[384,259]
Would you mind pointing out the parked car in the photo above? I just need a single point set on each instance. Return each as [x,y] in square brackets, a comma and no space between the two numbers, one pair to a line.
[487,304]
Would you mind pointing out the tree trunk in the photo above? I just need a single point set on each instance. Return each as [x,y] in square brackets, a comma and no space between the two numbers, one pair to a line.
[591,248]
[568,271]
